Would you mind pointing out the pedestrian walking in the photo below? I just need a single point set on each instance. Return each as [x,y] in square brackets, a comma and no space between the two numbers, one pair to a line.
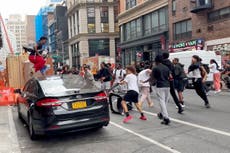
[161,74]
[144,85]
[179,80]
[199,76]
[170,66]
[132,94]
[216,75]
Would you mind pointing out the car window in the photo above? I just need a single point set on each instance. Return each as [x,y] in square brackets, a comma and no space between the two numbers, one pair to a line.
[67,85]
[32,87]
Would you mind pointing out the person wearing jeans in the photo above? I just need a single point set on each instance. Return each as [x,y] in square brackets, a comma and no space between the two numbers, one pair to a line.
[161,75]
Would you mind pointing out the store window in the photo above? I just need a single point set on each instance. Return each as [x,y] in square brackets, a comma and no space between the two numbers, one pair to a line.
[139,27]
[99,47]
[183,30]
[91,19]
[133,29]
[130,4]
[173,7]
[127,31]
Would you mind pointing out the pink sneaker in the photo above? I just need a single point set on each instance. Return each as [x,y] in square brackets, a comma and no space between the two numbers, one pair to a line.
[143,118]
[127,119]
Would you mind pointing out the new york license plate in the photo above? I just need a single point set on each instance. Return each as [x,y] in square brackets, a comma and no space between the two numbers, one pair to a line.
[79,105]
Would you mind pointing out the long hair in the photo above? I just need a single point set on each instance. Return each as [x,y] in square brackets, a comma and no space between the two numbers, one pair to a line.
[214,61]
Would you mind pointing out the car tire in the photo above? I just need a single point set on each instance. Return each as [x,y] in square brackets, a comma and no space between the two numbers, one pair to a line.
[32,134]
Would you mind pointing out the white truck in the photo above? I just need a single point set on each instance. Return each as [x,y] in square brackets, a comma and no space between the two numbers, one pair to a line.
[185,58]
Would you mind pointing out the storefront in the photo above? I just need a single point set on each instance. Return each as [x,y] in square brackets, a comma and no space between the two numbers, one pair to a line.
[219,45]
[196,44]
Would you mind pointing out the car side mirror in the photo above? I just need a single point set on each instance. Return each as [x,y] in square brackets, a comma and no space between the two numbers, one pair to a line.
[18,91]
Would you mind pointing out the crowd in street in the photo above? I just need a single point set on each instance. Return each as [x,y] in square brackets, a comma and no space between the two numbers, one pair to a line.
[167,77]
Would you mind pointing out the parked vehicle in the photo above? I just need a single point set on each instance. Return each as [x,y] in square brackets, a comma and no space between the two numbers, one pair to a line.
[59,105]
[185,59]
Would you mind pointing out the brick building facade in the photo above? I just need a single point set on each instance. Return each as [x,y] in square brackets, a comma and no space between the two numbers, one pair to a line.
[199,24]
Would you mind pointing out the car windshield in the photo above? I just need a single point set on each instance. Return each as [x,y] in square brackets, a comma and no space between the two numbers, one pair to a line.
[67,85]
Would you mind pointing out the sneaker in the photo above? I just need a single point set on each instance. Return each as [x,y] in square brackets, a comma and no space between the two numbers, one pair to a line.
[143,118]
[180,111]
[216,92]
[160,116]
[207,106]
[182,104]
[166,121]
[127,119]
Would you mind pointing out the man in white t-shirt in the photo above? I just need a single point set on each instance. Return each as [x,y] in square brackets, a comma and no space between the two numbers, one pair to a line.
[132,94]
[118,74]
[143,76]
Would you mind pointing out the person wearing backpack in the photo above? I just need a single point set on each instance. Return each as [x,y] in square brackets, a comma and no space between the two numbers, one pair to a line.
[179,79]
[118,74]
[199,76]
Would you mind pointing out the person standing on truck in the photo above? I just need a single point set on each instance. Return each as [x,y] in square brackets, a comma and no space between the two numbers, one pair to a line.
[199,76]
[214,69]
[170,66]
[179,80]
[161,75]
[132,94]
[36,57]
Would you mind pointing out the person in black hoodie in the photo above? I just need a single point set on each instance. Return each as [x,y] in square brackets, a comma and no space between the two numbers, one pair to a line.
[170,65]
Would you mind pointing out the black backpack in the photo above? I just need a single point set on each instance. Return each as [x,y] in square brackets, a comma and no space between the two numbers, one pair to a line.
[206,67]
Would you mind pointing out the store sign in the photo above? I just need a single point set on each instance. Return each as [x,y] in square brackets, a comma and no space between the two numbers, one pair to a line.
[188,45]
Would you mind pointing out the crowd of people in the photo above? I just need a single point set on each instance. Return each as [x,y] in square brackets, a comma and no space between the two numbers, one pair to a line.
[167,77]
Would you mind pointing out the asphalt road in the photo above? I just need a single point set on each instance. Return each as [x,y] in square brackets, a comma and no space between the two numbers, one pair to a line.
[198,130]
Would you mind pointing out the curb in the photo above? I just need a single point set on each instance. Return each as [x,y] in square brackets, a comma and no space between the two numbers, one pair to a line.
[13,133]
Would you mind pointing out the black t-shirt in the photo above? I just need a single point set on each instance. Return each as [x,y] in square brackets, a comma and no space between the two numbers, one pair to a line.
[161,75]
[105,73]
[39,47]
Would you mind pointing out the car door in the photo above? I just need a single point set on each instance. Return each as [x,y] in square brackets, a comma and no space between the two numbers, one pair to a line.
[22,100]
[29,96]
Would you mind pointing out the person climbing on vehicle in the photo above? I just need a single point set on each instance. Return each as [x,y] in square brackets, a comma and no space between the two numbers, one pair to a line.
[36,57]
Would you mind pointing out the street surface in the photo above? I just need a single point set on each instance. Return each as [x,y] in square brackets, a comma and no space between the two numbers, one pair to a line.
[199,130]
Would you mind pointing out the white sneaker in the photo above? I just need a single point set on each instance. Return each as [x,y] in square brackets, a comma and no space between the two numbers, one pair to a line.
[216,92]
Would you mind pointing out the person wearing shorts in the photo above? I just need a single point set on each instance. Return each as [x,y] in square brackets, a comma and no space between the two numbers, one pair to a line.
[132,94]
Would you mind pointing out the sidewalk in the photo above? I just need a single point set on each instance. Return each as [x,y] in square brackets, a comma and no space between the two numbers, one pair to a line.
[8,136]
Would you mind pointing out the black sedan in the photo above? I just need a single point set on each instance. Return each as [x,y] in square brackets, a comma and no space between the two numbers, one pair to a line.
[62,104]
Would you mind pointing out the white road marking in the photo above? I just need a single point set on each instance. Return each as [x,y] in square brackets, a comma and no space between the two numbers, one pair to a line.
[145,138]
[194,125]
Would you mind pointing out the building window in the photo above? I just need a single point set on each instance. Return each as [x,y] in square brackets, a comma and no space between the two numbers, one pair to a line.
[220,14]
[90,1]
[104,11]
[127,31]
[99,47]
[133,29]
[91,19]
[130,4]
[139,27]
[173,6]
[147,25]
[183,30]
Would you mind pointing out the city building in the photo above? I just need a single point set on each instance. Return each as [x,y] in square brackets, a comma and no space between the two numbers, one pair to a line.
[92,28]
[41,22]
[30,29]
[199,24]
[143,30]
[58,33]
[17,26]
[5,49]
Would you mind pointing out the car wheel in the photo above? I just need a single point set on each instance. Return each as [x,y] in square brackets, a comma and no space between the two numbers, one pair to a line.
[33,136]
